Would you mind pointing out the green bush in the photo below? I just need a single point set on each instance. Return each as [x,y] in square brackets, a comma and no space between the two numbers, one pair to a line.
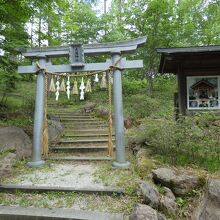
[164,86]
[140,105]
[191,140]
[131,87]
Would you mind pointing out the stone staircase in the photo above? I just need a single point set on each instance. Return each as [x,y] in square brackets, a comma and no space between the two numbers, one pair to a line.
[85,138]
[84,142]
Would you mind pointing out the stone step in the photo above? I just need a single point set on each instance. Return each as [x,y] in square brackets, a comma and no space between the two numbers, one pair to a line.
[21,213]
[81,158]
[13,188]
[86,137]
[70,113]
[89,144]
[80,148]
[75,117]
[64,115]
[81,141]
[80,119]
[89,135]
[69,122]
[87,130]
[85,126]
[74,132]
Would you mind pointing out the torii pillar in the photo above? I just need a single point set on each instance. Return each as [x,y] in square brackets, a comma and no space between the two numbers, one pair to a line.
[36,160]
[120,161]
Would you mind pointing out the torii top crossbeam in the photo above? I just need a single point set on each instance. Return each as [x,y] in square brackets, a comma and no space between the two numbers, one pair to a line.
[89,49]
[76,53]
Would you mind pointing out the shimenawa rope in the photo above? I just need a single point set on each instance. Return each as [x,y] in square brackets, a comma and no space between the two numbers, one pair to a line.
[45,147]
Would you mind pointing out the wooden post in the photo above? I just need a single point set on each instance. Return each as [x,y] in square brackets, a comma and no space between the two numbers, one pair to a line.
[182,93]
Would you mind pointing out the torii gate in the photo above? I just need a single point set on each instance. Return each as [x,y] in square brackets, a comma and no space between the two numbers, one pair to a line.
[76,53]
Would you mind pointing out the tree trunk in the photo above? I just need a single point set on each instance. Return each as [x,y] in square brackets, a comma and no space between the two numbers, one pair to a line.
[39,30]
[32,30]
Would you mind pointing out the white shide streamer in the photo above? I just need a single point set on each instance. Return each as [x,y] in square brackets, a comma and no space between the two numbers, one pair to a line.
[68,87]
[96,78]
[58,88]
[82,87]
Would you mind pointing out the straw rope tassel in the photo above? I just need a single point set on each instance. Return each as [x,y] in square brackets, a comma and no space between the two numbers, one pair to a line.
[75,88]
[103,84]
[52,86]
[110,144]
[62,86]
[88,86]
[45,147]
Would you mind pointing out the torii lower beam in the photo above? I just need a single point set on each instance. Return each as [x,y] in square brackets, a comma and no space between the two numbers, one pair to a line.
[88,67]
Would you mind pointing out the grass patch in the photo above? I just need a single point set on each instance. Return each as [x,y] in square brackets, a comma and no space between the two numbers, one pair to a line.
[93,202]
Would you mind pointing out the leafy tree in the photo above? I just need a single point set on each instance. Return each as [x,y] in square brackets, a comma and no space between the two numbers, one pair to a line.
[13,16]
[166,24]
[80,23]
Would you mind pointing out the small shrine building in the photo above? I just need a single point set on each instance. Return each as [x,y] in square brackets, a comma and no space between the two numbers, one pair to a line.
[198,76]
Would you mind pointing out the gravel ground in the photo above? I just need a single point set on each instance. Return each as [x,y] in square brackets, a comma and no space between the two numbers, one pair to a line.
[61,175]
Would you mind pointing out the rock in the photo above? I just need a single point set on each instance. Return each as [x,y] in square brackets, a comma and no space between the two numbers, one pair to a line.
[145,212]
[103,112]
[150,194]
[180,182]
[55,130]
[128,122]
[168,193]
[161,216]
[6,164]
[184,184]
[168,205]
[168,202]
[209,208]
[163,176]
[214,191]
[89,107]
[10,158]
[14,138]
[144,164]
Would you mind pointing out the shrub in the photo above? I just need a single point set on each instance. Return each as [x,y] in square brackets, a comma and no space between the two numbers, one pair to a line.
[140,105]
[131,87]
[191,140]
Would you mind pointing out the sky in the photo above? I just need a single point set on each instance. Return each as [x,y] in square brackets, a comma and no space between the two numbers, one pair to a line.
[100,5]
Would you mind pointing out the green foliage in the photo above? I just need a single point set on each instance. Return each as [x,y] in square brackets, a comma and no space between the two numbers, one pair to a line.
[21,121]
[132,87]
[140,105]
[181,202]
[191,140]
[165,86]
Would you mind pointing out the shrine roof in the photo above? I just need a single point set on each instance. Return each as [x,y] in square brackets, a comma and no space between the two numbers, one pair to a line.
[189,58]
[201,83]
